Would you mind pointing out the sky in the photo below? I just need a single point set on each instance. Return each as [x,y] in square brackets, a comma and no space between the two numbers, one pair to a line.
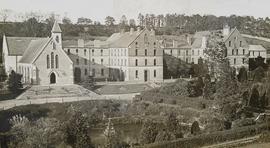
[97,10]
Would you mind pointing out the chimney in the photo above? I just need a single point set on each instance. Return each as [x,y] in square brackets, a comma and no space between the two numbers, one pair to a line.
[175,44]
[152,31]
[226,30]
[131,30]
[204,42]
[122,31]
[138,29]
[80,43]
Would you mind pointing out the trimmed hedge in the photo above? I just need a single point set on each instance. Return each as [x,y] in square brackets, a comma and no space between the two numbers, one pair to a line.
[212,138]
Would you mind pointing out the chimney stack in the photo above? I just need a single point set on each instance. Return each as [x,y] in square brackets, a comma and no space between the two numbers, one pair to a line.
[131,30]
[226,30]
[80,43]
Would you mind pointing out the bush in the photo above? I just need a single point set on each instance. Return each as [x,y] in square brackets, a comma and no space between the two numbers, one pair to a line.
[195,128]
[14,82]
[148,132]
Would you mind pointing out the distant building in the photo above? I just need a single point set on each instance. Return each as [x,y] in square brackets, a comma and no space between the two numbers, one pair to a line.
[41,61]
[125,56]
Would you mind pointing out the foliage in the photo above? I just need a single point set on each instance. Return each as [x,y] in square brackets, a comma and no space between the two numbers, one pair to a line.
[242,76]
[14,82]
[165,135]
[77,131]
[195,128]
[148,132]
[258,74]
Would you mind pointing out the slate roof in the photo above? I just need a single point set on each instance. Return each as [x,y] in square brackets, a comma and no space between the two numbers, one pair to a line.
[34,48]
[256,48]
[17,45]
[122,40]
[56,28]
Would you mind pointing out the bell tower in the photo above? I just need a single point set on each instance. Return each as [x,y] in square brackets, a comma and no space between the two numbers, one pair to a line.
[57,34]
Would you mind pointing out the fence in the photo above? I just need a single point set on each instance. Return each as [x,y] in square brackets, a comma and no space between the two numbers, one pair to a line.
[13,103]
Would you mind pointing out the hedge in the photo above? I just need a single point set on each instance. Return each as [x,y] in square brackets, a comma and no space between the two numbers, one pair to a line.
[212,138]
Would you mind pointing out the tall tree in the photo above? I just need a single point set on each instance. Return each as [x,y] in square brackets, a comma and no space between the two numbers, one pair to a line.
[5,13]
[132,23]
[109,21]
[84,21]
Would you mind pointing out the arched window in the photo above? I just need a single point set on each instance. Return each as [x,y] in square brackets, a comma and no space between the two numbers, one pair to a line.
[136,62]
[48,61]
[57,39]
[68,51]
[54,45]
[52,60]
[155,62]
[56,61]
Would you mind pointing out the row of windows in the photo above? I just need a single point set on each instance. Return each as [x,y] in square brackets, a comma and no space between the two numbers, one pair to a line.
[118,52]
[85,52]
[230,43]
[145,62]
[235,61]
[235,52]
[145,42]
[145,52]
[118,62]
[94,72]
[137,74]
[186,52]
[50,61]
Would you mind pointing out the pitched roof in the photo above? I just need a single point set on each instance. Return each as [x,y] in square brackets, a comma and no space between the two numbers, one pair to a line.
[228,36]
[33,50]
[123,39]
[200,34]
[256,48]
[17,45]
[56,28]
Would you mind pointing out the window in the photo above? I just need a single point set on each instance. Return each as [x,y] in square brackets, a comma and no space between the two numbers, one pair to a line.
[93,72]
[244,52]
[121,62]
[102,72]
[136,74]
[85,61]
[68,51]
[198,52]
[84,52]
[136,62]
[186,60]
[93,52]
[234,61]
[230,43]
[155,52]
[145,52]
[243,60]
[154,43]
[54,45]
[171,51]
[136,52]
[101,61]
[52,60]
[240,44]
[77,51]
[93,61]
[236,51]
[77,61]
[85,71]
[192,52]
[145,62]
[233,52]
[125,62]
[101,52]
[57,39]
[48,61]
[186,52]
[192,60]
[259,53]
[155,62]
[56,61]
[155,73]
[253,53]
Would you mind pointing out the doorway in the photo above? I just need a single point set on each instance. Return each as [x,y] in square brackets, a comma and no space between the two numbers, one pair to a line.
[52,79]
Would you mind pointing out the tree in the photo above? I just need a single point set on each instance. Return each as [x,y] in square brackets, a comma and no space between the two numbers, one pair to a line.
[110,135]
[109,21]
[141,19]
[66,20]
[148,132]
[5,13]
[84,21]
[242,76]
[14,82]
[165,135]
[77,131]
[123,20]
[132,23]
[195,128]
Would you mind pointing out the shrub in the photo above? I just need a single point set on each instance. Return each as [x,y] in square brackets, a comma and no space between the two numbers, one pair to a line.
[195,128]
[148,132]
[14,82]
[165,135]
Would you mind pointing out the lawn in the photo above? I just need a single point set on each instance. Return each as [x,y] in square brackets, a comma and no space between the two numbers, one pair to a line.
[7,95]
[121,89]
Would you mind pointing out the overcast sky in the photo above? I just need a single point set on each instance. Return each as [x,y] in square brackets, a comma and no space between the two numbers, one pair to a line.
[99,9]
